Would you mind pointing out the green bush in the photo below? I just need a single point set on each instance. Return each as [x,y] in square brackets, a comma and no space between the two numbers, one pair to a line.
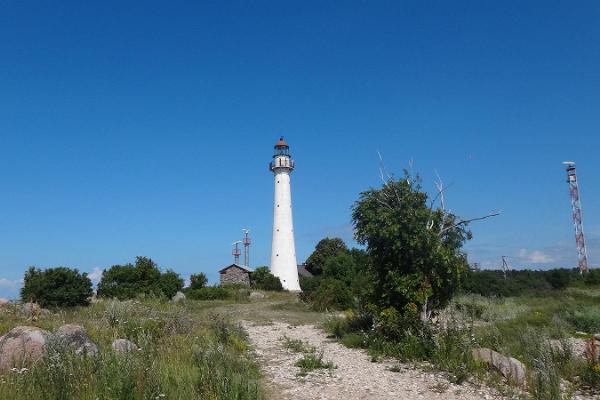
[331,294]
[142,279]
[586,319]
[263,279]
[56,287]
[170,283]
[211,293]
[198,281]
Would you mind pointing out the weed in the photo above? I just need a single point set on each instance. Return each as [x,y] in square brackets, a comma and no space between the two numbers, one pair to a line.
[312,361]
[297,346]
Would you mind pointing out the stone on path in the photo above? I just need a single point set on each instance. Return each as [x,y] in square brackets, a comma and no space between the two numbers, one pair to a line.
[22,346]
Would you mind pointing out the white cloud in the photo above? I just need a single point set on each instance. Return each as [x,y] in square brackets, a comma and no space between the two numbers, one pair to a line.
[96,275]
[534,257]
[9,289]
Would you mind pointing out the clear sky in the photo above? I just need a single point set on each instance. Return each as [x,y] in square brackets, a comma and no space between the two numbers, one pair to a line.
[145,128]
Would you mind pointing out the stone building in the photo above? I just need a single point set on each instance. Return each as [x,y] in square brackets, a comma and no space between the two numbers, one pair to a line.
[235,274]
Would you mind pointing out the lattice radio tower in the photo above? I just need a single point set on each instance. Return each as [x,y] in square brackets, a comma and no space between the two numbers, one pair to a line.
[235,252]
[246,241]
[577,222]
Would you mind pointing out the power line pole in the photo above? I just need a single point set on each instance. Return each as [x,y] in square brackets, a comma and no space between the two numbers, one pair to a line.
[577,218]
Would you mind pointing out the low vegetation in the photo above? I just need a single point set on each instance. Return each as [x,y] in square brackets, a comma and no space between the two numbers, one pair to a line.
[185,352]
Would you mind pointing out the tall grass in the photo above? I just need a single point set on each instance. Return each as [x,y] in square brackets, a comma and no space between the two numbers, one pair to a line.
[184,354]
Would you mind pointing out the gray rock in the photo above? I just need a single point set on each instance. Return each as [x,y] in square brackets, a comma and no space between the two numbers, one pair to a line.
[33,311]
[76,337]
[511,368]
[256,295]
[123,346]
[179,297]
[22,346]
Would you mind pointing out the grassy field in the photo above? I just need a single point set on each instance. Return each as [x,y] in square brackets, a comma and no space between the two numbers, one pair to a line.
[193,350]
[196,349]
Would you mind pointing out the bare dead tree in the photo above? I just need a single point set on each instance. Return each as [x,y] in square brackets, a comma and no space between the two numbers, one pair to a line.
[447,223]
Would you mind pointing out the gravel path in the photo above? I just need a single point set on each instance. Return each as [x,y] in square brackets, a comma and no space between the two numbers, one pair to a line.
[355,377]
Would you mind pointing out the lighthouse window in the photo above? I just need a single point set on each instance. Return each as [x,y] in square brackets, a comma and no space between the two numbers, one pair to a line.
[277,181]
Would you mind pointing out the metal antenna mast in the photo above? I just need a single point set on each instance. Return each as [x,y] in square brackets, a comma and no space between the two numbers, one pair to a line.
[236,252]
[577,219]
[504,266]
[246,241]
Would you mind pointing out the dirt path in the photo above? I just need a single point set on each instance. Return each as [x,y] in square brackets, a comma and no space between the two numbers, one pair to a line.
[355,377]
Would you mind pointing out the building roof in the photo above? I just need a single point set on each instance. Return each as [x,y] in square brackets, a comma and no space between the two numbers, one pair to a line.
[235,266]
[302,271]
[281,143]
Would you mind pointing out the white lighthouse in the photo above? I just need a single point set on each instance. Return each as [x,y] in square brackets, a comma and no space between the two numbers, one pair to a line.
[283,249]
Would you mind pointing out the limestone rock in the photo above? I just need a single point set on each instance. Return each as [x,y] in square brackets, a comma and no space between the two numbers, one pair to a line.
[256,295]
[76,337]
[179,297]
[511,368]
[21,346]
[33,311]
[123,346]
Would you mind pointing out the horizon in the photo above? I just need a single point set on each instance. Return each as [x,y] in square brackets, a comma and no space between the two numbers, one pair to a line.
[146,131]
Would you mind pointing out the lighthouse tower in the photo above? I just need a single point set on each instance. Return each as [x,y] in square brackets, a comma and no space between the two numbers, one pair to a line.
[283,250]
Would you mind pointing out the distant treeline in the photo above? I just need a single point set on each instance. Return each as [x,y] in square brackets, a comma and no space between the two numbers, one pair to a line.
[517,282]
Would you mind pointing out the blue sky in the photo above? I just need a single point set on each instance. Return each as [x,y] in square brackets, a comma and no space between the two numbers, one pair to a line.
[130,129]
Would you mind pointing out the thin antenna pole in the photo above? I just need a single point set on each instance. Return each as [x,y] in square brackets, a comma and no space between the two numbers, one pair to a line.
[582,262]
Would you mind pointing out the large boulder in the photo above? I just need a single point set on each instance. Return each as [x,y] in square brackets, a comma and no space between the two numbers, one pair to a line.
[179,297]
[76,338]
[511,368]
[22,346]
[123,346]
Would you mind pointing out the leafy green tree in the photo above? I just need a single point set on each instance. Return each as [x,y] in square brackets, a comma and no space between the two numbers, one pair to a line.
[415,250]
[263,279]
[170,283]
[198,281]
[142,278]
[56,287]
[120,281]
[340,267]
[148,275]
[326,248]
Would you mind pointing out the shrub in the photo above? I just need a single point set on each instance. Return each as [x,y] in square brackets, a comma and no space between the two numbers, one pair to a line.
[211,293]
[56,287]
[170,283]
[142,279]
[263,279]
[331,294]
[311,361]
[198,281]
